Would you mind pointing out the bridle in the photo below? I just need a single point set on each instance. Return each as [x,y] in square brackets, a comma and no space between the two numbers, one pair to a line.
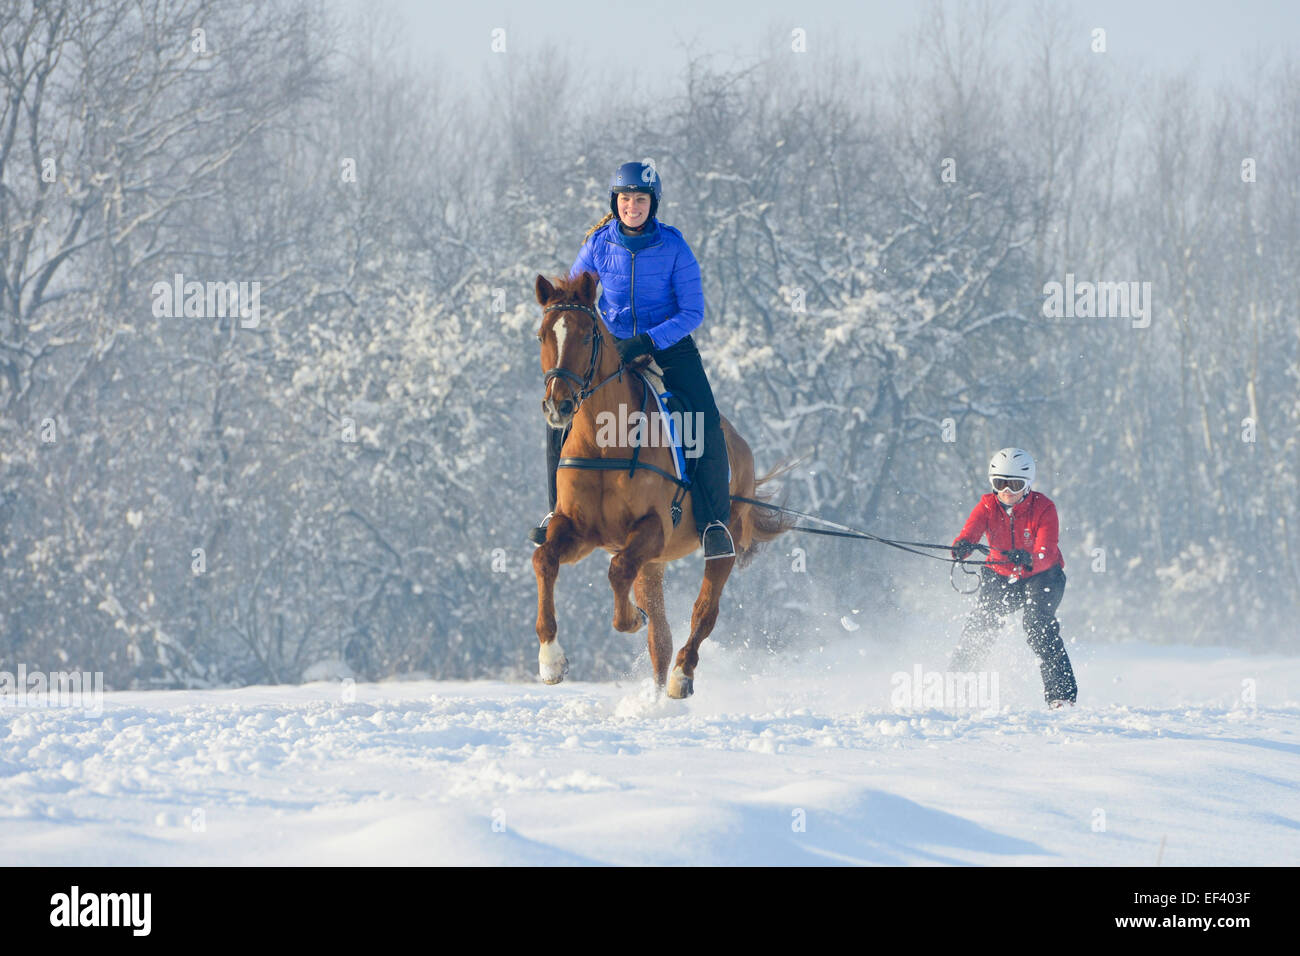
[583,385]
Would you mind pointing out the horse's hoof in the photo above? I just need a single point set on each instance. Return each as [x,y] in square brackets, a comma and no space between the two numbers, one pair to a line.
[552,665]
[634,624]
[679,685]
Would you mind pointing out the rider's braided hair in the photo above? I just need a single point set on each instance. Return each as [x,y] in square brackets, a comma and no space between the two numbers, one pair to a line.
[608,217]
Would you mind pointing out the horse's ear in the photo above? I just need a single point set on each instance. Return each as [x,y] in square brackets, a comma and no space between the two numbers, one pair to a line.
[587,287]
[544,289]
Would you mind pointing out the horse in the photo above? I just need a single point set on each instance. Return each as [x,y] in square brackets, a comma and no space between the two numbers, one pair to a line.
[630,513]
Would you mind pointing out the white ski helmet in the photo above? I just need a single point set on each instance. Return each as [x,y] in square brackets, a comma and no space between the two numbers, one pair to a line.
[1012,463]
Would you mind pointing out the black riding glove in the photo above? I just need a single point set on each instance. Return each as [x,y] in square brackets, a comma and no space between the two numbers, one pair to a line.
[1020,558]
[961,550]
[637,345]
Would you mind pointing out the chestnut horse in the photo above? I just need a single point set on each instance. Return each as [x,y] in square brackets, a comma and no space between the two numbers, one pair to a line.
[629,515]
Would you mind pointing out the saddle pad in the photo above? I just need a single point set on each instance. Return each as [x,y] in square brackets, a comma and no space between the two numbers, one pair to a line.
[652,376]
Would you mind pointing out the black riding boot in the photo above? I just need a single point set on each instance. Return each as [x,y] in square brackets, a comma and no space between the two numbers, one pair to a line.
[554,445]
[710,483]
[710,487]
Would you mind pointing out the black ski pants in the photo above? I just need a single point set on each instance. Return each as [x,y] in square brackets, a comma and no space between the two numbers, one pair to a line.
[1039,596]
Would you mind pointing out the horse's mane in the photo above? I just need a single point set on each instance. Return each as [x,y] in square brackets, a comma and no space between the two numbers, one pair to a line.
[569,286]
[570,290]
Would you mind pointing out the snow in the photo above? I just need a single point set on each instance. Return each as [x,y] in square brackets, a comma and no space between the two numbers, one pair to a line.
[777,760]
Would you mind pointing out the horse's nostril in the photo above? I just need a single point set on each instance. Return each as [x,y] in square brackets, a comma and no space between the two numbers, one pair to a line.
[566,406]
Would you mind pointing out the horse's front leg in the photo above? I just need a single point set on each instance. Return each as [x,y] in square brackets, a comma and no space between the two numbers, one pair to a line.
[562,544]
[681,682]
[644,541]
[649,586]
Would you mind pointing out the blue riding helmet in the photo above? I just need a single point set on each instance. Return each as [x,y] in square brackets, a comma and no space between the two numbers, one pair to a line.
[635,178]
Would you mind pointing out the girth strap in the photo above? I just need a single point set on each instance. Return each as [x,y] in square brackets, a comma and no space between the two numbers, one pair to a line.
[619,464]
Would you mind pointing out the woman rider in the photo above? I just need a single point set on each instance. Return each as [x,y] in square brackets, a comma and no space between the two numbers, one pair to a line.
[651,300]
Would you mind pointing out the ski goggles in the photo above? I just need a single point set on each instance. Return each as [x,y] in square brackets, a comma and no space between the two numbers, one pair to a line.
[1013,485]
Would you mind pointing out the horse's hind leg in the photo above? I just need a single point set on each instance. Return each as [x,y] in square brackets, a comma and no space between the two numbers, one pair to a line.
[562,544]
[650,597]
[644,541]
[681,683]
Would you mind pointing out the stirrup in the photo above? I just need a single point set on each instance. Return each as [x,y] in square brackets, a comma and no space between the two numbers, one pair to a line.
[538,535]
[717,542]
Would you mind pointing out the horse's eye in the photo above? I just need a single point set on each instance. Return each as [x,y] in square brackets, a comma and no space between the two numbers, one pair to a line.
[540,337]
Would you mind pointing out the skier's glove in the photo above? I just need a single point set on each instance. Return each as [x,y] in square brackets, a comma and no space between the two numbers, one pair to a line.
[1020,558]
[636,346]
[961,549]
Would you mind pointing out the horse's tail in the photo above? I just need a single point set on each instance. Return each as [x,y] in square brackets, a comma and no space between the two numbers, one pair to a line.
[760,525]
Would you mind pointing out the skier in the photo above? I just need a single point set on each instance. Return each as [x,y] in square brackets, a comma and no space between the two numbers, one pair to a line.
[651,300]
[1025,569]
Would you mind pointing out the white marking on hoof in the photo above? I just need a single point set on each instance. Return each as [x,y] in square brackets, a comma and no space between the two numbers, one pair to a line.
[679,685]
[552,665]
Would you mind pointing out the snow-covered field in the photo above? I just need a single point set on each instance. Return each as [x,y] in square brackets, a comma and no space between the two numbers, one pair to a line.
[797,760]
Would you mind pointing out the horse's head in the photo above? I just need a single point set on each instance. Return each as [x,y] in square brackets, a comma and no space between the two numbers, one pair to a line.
[571,342]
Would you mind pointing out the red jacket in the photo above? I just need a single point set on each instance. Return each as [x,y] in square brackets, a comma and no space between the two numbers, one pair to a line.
[1031,526]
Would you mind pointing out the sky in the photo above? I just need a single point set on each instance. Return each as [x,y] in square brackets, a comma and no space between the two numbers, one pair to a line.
[1157,35]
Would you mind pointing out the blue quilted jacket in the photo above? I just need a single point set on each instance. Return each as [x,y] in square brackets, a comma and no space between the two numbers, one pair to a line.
[655,290]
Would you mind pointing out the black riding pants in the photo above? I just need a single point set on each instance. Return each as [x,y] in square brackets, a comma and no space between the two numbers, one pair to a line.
[1039,595]
[684,376]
